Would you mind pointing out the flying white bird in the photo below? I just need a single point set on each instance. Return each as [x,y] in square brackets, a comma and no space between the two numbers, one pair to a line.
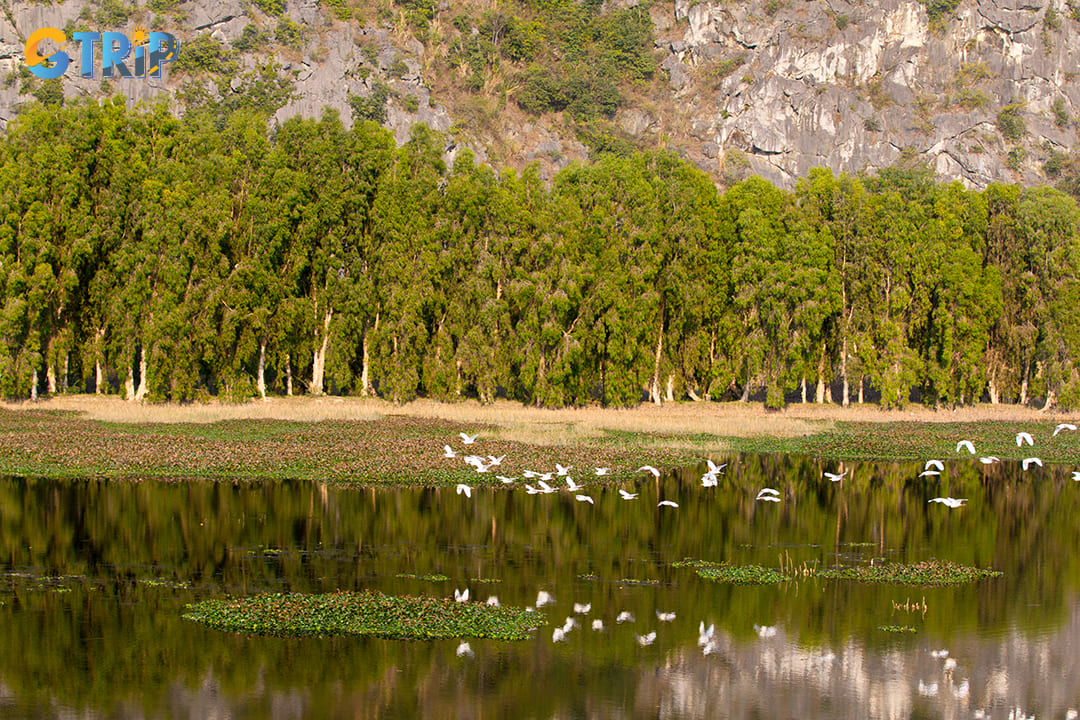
[496,460]
[769,498]
[467,490]
[468,440]
[474,460]
[545,476]
[506,480]
[569,625]
[936,464]
[544,487]
[644,640]
[530,473]
[461,596]
[1028,462]
[989,459]
[563,470]
[650,469]
[768,491]
[633,496]
[558,635]
[544,598]
[765,631]
[714,468]
[950,501]
[835,477]
[1023,437]
[582,608]
[463,649]
[449,451]
[965,444]
[597,624]
[531,490]
[1063,426]
[1076,475]
[584,498]
[710,648]
[571,485]
[667,503]
[665,617]
[624,616]
[926,473]
[602,471]
[493,601]
[708,480]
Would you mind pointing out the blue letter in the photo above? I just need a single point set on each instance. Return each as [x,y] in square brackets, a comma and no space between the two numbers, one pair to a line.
[114,48]
[88,39]
[163,49]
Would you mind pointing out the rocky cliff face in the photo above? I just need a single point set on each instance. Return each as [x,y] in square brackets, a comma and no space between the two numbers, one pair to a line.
[773,87]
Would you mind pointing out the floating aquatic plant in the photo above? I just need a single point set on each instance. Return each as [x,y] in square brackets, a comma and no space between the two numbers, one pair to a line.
[436,577]
[364,613]
[896,628]
[734,574]
[928,572]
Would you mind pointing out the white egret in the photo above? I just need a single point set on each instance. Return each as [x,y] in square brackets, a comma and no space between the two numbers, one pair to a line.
[449,452]
[835,477]
[665,617]
[708,480]
[769,498]
[474,460]
[558,635]
[468,440]
[1023,437]
[597,624]
[768,491]
[584,498]
[633,496]
[710,648]
[493,601]
[1076,475]
[926,473]
[765,631]
[667,503]
[531,490]
[496,460]
[624,616]
[714,468]
[649,469]
[705,636]
[530,473]
[644,640]
[1028,462]
[939,654]
[582,608]
[461,596]
[965,444]
[467,490]
[936,464]
[1063,426]
[463,649]
[544,598]
[544,487]
[560,470]
[950,501]
[989,459]
[569,625]
[506,480]
[602,471]
[571,485]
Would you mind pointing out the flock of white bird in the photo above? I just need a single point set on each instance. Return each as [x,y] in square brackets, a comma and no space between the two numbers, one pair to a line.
[707,636]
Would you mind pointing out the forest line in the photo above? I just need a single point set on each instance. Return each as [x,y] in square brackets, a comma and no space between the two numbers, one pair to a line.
[180,259]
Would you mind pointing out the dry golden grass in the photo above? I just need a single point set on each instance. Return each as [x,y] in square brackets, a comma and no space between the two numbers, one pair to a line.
[538,426]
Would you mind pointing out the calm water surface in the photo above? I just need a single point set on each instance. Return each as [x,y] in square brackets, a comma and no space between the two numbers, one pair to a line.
[94,576]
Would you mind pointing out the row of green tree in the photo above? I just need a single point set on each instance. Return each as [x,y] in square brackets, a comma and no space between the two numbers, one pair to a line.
[171,259]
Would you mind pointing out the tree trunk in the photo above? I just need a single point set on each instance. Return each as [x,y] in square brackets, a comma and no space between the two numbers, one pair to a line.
[843,374]
[992,387]
[693,395]
[1024,384]
[99,377]
[33,387]
[670,394]
[288,375]
[260,382]
[366,389]
[141,392]
[860,391]
[746,390]
[318,365]
[654,386]
[50,379]
[129,383]
[1049,400]
[64,377]
[803,386]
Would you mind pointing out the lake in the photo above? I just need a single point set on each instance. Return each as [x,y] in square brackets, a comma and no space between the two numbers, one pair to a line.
[95,576]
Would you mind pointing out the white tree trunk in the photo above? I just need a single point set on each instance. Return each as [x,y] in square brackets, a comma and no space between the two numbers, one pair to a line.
[288,375]
[1049,401]
[99,377]
[843,373]
[64,377]
[50,379]
[261,380]
[670,394]
[33,387]
[1024,385]
[319,363]
[992,389]
[654,386]
[860,391]
[129,384]
[693,395]
[140,394]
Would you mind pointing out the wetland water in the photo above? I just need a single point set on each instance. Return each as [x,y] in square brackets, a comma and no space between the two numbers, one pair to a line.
[95,575]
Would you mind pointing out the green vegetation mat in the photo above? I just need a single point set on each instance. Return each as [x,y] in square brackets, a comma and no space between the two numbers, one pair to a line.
[364,613]
[929,572]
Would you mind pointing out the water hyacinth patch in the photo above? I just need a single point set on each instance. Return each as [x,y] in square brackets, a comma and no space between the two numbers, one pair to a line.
[896,628]
[364,613]
[929,572]
[437,577]
[734,574]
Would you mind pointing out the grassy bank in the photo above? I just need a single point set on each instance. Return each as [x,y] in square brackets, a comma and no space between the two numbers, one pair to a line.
[369,442]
